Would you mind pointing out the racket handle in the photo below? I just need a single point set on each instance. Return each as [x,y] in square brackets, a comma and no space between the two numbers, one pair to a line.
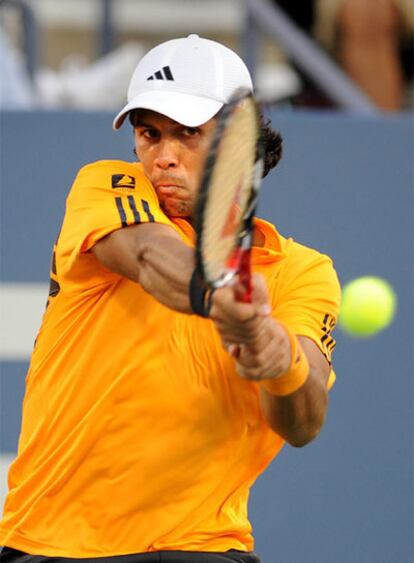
[245,276]
[242,258]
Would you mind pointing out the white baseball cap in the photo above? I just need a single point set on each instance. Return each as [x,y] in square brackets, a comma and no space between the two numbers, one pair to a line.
[188,80]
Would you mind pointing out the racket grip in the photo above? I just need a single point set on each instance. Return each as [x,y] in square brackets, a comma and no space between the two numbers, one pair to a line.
[245,276]
[242,257]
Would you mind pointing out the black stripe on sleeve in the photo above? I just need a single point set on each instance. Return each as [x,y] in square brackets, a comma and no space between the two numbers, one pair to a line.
[121,211]
[328,324]
[331,345]
[54,262]
[146,208]
[54,288]
[324,337]
[159,75]
[135,212]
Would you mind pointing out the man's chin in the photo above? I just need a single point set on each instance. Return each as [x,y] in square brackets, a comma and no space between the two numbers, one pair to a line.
[175,212]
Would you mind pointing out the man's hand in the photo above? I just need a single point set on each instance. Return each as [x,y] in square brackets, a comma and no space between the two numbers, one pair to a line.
[262,350]
[258,342]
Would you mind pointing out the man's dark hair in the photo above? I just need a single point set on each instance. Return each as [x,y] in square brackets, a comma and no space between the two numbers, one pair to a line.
[273,146]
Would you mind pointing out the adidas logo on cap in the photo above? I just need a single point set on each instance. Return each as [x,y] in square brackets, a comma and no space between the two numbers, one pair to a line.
[163,74]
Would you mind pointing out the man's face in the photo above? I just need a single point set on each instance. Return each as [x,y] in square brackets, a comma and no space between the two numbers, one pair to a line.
[173,157]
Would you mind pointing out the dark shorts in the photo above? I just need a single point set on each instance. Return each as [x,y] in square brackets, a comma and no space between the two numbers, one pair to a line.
[9,555]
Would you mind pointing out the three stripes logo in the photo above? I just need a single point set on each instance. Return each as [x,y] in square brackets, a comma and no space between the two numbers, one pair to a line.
[327,340]
[131,214]
[163,74]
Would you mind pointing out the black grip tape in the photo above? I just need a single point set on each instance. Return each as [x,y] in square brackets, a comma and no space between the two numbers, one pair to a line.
[200,295]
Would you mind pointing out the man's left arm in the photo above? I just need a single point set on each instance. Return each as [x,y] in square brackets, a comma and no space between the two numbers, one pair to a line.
[291,370]
[298,417]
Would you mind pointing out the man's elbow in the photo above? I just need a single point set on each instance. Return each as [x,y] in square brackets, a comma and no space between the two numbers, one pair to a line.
[307,431]
[301,439]
[301,434]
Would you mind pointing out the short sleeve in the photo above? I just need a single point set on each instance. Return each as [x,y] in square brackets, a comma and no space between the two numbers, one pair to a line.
[106,196]
[308,297]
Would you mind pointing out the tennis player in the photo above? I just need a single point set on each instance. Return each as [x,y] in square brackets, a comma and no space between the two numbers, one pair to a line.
[141,433]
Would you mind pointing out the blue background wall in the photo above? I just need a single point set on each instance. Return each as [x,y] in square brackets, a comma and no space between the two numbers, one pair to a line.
[345,186]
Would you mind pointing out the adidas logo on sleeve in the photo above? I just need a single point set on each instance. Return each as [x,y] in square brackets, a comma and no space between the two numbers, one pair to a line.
[123,181]
[163,74]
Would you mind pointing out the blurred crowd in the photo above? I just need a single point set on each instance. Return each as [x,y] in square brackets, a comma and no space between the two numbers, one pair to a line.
[371,40]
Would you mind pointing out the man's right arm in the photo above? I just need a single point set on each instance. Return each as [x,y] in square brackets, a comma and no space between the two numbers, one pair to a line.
[154,256]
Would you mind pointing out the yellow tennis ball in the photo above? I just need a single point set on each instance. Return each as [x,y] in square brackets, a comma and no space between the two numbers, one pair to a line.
[368,306]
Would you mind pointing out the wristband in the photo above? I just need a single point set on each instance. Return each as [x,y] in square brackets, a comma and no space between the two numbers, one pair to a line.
[200,295]
[295,376]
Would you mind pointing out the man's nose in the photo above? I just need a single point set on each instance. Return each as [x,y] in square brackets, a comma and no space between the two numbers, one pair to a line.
[168,155]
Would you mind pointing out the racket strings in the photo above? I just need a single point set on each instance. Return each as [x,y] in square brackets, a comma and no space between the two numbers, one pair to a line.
[229,191]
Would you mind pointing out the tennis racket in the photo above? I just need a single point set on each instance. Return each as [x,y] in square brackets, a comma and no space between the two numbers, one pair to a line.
[228,196]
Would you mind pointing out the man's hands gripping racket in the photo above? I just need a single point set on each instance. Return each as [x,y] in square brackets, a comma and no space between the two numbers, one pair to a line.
[226,203]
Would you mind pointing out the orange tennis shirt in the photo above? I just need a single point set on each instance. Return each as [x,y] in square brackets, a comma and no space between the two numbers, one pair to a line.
[137,434]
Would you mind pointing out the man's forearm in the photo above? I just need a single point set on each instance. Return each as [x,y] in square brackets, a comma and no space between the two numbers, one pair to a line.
[297,412]
[298,417]
[165,270]
[290,369]
[154,256]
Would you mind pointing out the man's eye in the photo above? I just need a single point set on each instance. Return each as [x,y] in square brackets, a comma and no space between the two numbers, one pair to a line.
[150,133]
[191,131]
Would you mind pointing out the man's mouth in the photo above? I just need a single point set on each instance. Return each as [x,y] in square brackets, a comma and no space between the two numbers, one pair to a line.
[168,183]
[167,187]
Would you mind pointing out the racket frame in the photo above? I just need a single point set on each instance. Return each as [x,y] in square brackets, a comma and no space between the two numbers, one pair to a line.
[241,258]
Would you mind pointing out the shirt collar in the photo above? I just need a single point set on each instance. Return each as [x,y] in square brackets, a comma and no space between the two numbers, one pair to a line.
[271,251]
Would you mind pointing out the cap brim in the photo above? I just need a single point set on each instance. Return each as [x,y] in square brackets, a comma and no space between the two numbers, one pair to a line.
[186,109]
